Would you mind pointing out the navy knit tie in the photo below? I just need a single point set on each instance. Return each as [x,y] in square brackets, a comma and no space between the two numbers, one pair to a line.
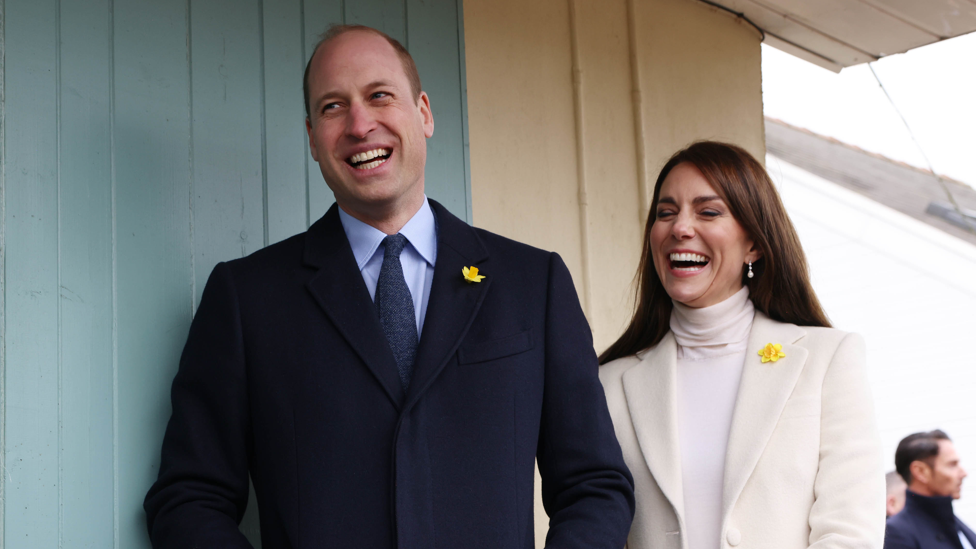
[395,306]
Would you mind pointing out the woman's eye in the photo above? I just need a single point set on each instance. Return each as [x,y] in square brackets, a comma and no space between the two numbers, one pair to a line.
[711,213]
[661,214]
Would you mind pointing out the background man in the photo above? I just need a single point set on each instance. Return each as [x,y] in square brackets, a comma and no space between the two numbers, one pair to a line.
[380,390]
[930,466]
[895,500]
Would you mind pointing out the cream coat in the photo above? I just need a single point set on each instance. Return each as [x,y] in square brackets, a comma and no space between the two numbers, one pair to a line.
[803,466]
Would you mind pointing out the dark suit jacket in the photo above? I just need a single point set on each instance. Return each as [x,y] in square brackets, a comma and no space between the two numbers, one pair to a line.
[286,374]
[926,523]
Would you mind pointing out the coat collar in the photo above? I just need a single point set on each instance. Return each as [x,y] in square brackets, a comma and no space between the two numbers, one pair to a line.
[651,392]
[339,289]
[454,302]
[939,508]
[763,392]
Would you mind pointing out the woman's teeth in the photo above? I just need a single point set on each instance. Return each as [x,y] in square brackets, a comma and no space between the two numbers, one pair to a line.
[687,262]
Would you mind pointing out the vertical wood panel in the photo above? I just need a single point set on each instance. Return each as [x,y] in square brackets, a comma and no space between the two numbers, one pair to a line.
[31,488]
[227,181]
[86,276]
[319,15]
[389,16]
[434,42]
[284,66]
[154,239]
[180,143]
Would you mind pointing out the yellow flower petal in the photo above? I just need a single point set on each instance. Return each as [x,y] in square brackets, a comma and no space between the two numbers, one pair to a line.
[471,274]
[771,352]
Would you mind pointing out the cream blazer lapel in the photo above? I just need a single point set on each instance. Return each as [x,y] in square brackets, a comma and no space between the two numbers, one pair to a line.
[651,390]
[763,392]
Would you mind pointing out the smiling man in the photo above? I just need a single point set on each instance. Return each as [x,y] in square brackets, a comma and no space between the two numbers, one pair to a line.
[381,392]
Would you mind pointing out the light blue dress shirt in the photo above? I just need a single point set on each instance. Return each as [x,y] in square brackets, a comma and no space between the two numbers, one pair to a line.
[417,259]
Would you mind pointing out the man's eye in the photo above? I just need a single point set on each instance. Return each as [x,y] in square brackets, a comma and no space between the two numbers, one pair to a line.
[380,95]
[330,107]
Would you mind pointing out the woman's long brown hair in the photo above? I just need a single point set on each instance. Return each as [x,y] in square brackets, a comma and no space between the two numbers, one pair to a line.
[781,287]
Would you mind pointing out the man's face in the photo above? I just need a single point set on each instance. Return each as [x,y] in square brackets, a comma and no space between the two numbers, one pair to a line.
[944,477]
[366,129]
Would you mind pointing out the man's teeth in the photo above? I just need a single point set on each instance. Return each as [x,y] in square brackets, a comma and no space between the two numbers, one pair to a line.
[368,155]
[370,165]
[688,257]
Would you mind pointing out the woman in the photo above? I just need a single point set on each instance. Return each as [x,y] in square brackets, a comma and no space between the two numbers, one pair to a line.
[743,416]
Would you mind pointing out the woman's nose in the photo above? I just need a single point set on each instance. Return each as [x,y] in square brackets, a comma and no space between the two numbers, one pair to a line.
[683,228]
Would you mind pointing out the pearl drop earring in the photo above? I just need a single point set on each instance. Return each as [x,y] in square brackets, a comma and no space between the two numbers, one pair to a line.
[749,274]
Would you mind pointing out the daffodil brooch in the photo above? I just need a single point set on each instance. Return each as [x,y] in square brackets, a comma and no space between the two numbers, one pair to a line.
[771,352]
[471,274]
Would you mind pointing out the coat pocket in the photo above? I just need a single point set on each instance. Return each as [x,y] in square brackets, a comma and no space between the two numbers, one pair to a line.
[483,351]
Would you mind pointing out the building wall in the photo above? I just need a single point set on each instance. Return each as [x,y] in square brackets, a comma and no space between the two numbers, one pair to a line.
[574,106]
[908,288]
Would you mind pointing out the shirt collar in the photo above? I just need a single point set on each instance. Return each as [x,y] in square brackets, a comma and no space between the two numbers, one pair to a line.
[365,239]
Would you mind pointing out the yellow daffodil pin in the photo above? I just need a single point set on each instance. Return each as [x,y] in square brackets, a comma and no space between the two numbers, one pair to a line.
[471,274]
[772,353]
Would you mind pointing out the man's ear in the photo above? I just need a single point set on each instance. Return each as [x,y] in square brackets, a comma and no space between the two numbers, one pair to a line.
[423,102]
[311,140]
[920,471]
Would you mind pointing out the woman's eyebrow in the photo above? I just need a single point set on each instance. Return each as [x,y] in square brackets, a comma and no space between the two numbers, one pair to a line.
[667,200]
[700,199]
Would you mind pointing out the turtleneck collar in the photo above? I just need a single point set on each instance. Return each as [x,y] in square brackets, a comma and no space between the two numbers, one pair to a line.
[724,323]
[937,507]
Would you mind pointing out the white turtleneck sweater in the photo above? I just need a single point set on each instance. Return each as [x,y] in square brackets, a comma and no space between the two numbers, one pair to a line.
[711,352]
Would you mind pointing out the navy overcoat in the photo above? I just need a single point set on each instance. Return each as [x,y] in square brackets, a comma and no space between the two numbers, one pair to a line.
[926,523]
[287,376]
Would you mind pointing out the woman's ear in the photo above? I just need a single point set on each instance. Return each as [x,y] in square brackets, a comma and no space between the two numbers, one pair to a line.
[754,254]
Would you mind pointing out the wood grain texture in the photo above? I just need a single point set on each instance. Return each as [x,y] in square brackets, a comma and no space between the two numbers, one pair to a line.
[86,346]
[32,487]
[154,237]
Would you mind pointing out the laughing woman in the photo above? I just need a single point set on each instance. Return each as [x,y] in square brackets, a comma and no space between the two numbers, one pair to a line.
[743,416]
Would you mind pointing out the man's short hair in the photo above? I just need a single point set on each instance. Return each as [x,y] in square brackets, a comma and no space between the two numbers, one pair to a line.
[922,447]
[894,482]
[409,67]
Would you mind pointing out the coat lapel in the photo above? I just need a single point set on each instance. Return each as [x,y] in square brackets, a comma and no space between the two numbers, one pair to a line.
[453,303]
[339,289]
[763,392]
[651,390]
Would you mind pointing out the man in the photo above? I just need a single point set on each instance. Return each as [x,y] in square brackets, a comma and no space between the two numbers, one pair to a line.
[388,377]
[930,466]
[895,498]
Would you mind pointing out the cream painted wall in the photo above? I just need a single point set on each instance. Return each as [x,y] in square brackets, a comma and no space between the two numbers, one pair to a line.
[574,106]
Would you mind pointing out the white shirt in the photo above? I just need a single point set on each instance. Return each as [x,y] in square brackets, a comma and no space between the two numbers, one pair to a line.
[417,258]
[711,353]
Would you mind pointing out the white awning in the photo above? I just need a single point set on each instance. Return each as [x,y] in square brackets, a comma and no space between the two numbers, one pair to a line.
[839,33]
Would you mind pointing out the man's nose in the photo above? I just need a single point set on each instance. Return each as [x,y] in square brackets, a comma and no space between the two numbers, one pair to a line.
[360,121]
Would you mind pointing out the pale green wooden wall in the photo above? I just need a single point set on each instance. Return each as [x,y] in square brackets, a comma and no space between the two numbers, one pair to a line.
[142,142]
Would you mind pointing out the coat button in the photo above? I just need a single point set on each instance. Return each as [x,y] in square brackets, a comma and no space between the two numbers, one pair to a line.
[733,536]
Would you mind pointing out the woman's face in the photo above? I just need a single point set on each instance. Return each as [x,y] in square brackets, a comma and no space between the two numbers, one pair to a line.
[699,248]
